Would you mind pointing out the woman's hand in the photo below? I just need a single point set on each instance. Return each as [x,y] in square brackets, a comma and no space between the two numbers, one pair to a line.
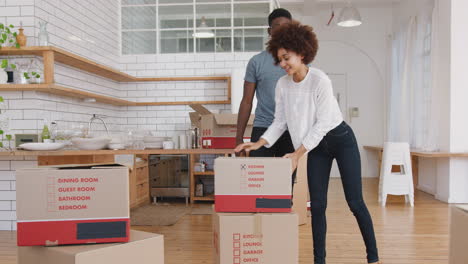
[294,159]
[249,146]
[295,156]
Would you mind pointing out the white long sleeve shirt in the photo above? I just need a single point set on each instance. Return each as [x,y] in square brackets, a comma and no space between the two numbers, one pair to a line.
[308,109]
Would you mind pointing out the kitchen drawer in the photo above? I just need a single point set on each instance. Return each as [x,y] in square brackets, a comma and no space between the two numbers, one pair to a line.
[142,191]
[141,174]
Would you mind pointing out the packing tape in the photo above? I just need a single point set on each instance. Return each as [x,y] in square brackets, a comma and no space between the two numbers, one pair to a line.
[258,232]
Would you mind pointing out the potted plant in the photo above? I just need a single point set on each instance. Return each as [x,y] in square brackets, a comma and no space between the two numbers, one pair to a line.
[33,72]
[3,74]
[7,39]
[32,77]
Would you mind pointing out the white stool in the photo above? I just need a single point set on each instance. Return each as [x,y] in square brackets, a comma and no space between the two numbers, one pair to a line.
[396,183]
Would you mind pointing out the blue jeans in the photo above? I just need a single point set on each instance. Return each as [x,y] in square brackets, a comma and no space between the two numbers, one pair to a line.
[340,144]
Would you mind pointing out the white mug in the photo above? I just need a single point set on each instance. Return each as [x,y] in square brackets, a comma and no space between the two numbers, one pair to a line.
[168,145]
[182,141]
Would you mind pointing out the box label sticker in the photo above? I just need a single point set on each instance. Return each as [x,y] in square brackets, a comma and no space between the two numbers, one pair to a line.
[252,176]
[70,193]
[247,248]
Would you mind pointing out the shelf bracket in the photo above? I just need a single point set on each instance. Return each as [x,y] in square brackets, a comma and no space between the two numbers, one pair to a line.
[49,58]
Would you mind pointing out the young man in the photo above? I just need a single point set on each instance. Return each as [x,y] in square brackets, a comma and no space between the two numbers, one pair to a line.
[261,77]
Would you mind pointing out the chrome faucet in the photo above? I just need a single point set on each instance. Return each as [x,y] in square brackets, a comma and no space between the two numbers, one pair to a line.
[96,117]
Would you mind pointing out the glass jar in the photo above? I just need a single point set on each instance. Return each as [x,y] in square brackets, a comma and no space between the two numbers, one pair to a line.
[43,35]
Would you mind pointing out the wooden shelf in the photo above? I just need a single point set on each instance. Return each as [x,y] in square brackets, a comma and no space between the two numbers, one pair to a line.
[141,165]
[203,173]
[75,93]
[54,54]
[204,198]
[425,154]
[64,91]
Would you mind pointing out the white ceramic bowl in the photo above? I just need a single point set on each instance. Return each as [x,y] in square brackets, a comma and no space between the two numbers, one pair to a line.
[116,146]
[42,146]
[91,143]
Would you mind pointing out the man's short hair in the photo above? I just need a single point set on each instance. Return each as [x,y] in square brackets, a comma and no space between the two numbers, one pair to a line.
[279,12]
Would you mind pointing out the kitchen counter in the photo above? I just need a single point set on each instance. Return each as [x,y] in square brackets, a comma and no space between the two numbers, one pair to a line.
[114,152]
[10,161]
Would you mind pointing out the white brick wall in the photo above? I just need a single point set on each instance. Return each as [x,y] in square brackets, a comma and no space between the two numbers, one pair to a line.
[8,165]
[96,26]
[88,28]
[172,120]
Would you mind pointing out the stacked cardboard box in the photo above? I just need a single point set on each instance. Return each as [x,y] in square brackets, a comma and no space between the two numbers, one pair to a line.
[72,205]
[77,204]
[253,222]
[301,192]
[218,131]
[458,234]
[143,248]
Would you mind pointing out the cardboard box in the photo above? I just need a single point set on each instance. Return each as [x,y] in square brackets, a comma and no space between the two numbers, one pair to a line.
[300,192]
[255,238]
[72,205]
[218,131]
[143,248]
[253,185]
[458,235]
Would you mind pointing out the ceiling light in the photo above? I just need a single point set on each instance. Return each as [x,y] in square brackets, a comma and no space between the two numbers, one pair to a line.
[349,17]
[203,31]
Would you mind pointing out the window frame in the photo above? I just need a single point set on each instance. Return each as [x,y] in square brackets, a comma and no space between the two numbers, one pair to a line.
[271,4]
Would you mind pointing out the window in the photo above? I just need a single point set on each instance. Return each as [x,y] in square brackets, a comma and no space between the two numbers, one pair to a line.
[167,26]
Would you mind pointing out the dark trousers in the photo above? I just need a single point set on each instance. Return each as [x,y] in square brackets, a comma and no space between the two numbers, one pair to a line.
[282,146]
[340,144]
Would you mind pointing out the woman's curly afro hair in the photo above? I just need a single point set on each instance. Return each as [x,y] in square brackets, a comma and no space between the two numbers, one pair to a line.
[295,37]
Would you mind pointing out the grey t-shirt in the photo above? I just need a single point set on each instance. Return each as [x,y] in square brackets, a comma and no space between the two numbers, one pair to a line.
[262,71]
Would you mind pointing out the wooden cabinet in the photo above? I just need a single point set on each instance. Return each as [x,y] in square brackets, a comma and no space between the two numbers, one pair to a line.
[207,174]
[139,182]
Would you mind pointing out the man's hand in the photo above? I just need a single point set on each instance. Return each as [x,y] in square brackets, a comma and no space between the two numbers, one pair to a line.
[249,146]
[242,152]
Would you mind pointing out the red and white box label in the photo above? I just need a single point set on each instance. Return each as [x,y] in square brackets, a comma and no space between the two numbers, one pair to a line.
[253,185]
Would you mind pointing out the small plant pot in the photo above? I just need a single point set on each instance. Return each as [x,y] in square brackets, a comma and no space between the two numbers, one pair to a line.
[34,80]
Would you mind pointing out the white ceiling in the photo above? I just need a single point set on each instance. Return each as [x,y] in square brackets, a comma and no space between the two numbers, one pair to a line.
[337,3]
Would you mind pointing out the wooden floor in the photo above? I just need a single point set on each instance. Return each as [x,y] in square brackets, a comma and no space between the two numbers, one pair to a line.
[405,235]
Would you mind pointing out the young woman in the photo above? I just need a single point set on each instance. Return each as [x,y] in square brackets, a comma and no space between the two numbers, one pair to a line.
[305,105]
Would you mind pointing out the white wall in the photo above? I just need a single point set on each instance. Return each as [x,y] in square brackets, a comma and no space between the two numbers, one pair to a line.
[458,177]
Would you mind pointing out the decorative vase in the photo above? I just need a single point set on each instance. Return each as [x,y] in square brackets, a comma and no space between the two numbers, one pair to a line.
[21,38]
[43,35]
